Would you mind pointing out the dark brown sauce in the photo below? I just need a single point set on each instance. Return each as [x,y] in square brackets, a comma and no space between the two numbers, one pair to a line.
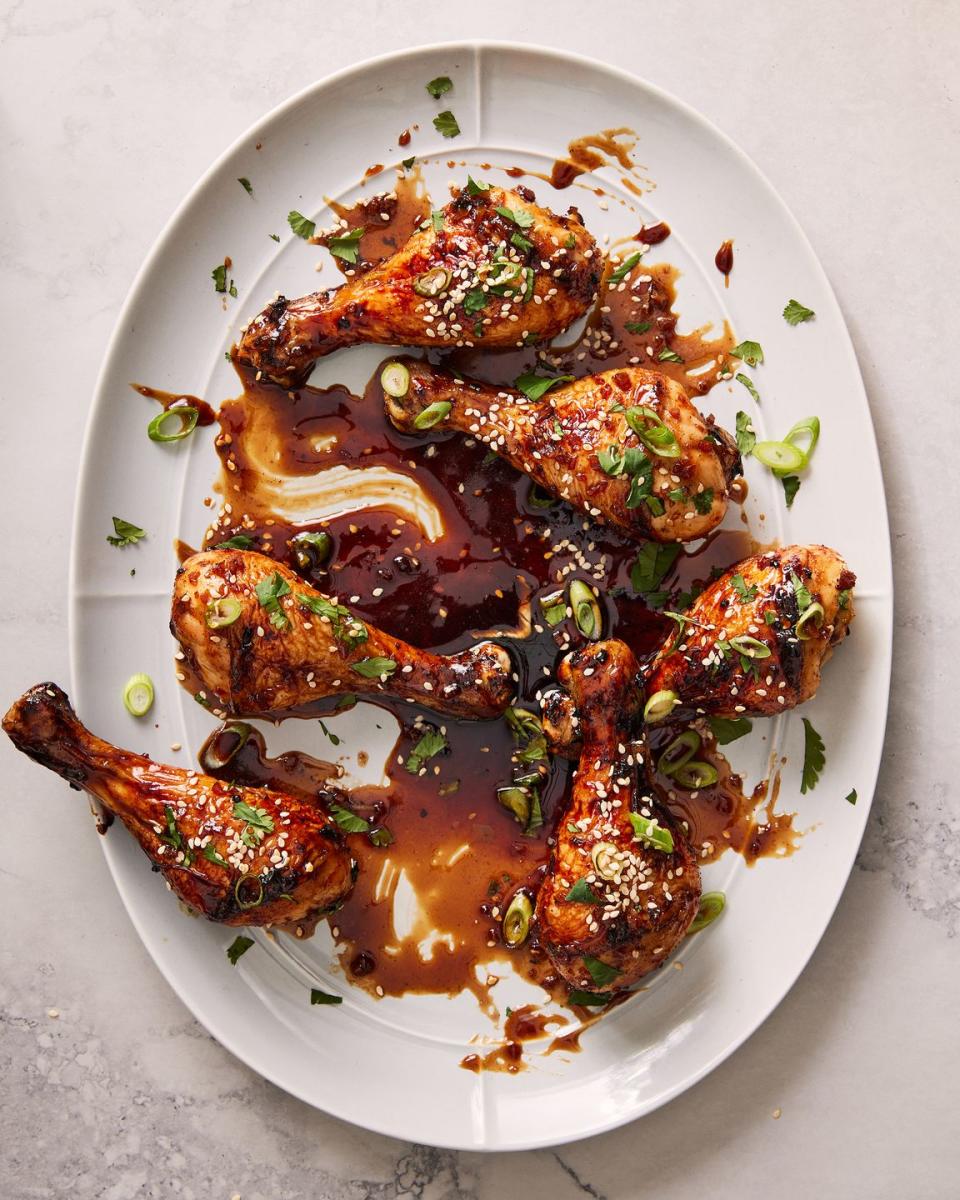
[167,400]
[508,1058]
[404,138]
[724,261]
[499,552]
[653,235]
[388,219]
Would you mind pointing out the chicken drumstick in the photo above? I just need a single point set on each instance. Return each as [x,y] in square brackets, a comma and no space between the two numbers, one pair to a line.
[623,884]
[238,855]
[625,446]
[491,269]
[262,640]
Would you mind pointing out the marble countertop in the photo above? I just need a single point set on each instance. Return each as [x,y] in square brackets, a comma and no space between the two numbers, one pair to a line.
[108,1087]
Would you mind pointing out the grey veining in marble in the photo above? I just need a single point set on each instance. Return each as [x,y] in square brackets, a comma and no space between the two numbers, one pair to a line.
[109,111]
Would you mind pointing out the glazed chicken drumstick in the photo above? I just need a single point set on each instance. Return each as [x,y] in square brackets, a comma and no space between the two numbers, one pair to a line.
[752,644]
[623,885]
[263,641]
[625,446]
[238,855]
[491,269]
[754,641]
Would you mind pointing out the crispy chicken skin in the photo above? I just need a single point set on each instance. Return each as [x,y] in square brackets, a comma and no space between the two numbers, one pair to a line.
[540,270]
[762,599]
[645,898]
[556,441]
[291,865]
[287,653]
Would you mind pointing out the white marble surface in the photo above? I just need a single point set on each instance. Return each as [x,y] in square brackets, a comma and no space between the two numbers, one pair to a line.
[109,111]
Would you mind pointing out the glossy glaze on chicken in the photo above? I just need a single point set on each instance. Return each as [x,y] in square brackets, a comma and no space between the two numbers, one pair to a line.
[491,269]
[237,855]
[626,446]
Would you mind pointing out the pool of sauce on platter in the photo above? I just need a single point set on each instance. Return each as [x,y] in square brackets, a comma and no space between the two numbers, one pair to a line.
[501,551]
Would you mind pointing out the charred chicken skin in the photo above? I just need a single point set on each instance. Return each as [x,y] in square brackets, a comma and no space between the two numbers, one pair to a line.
[754,641]
[238,855]
[625,446]
[623,885]
[264,641]
[492,269]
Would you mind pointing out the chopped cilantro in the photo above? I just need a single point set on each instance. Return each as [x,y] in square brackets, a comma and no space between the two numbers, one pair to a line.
[795,312]
[474,301]
[300,225]
[582,893]
[246,185]
[814,757]
[749,385]
[518,216]
[373,668]
[601,973]
[703,501]
[239,541]
[791,485]
[445,123]
[269,592]
[746,438]
[476,187]
[125,533]
[740,587]
[668,355]
[348,821]
[437,87]
[851,797]
[729,729]
[749,352]
[534,386]
[347,245]
[318,997]
[238,947]
[636,326]
[431,743]
[652,564]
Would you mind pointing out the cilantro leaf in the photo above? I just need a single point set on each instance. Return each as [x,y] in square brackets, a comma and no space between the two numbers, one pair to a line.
[211,855]
[445,123]
[269,592]
[749,352]
[802,593]
[522,244]
[219,277]
[301,225]
[373,668]
[431,743]
[668,355]
[534,386]
[652,564]
[740,587]
[437,87]
[791,485]
[474,301]
[588,999]
[581,893]
[518,216]
[746,438]
[275,237]
[729,729]
[851,797]
[795,312]
[703,501]
[318,997]
[328,733]
[408,162]
[238,947]
[125,533]
[476,187]
[239,541]
[246,185]
[749,385]
[348,821]
[346,245]
[380,837]
[636,326]
[650,831]
[258,822]
[814,757]
[601,973]
[346,627]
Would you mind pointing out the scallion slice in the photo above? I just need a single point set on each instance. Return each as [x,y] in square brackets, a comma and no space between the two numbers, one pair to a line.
[694,775]
[650,831]
[395,380]
[712,905]
[508,274]
[750,646]
[607,860]
[516,920]
[138,695]
[679,752]
[586,610]
[224,745]
[813,615]
[186,418]
[253,899]
[779,456]
[808,428]
[432,415]
[222,612]
[433,282]
[660,706]
[654,434]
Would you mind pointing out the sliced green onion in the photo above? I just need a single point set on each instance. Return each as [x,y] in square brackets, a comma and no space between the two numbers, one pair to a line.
[554,608]
[186,418]
[433,282]
[809,427]
[586,610]
[539,498]
[649,830]
[655,436]
[224,745]
[311,549]
[813,614]
[515,800]
[395,380]
[432,415]
[606,859]
[660,706]
[516,920]
[712,905]
[509,273]
[695,775]
[248,903]
[679,752]
[138,695]
[222,612]
[750,646]
[779,456]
